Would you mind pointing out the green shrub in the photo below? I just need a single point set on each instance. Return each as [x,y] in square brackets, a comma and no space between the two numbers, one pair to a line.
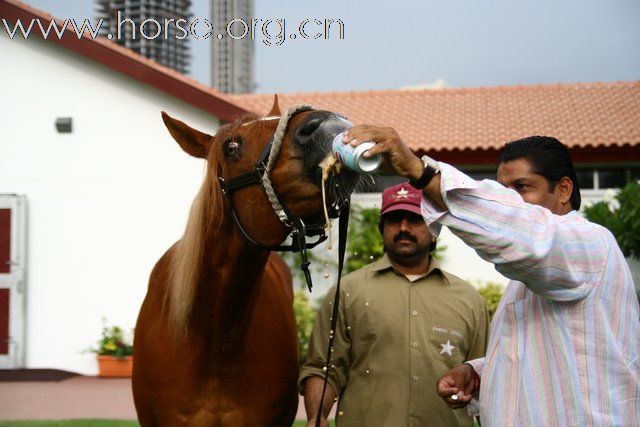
[621,215]
[492,293]
[364,244]
[305,316]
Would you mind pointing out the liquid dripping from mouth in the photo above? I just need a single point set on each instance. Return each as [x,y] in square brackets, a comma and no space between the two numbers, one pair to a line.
[329,164]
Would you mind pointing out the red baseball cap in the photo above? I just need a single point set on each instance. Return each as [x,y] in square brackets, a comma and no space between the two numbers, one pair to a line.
[401,197]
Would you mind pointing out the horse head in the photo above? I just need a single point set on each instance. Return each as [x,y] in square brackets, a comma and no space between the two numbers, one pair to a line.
[295,174]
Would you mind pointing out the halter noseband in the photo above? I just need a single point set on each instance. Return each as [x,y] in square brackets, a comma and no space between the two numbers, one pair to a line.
[260,174]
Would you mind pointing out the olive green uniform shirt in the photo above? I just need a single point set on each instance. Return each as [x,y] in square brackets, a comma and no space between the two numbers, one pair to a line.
[394,339]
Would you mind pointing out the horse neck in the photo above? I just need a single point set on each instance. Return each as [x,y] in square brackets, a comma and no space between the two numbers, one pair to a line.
[232,271]
[236,264]
[231,261]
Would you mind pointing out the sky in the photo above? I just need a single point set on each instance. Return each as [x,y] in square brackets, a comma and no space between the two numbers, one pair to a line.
[466,43]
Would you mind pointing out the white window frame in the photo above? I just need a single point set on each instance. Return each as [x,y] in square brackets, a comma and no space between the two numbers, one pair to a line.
[15,282]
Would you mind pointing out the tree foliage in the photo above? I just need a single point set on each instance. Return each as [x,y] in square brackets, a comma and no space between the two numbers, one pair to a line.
[364,244]
[492,294]
[305,316]
[621,215]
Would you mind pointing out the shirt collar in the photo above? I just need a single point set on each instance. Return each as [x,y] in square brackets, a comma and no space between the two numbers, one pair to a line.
[385,264]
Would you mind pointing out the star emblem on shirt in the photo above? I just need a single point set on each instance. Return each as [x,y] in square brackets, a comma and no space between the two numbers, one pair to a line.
[402,194]
[447,348]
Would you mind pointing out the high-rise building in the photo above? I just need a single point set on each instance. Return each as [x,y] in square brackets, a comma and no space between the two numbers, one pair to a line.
[232,56]
[140,36]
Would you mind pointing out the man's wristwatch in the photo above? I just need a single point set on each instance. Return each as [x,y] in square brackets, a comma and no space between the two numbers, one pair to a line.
[431,169]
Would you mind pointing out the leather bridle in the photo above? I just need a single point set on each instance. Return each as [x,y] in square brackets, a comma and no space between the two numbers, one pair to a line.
[260,174]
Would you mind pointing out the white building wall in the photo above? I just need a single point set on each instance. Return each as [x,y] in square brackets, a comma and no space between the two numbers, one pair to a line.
[104,202]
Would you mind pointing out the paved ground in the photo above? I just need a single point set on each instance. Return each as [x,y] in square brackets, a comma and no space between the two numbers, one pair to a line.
[74,397]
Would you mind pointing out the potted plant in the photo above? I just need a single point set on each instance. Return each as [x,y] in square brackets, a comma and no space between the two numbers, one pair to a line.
[115,353]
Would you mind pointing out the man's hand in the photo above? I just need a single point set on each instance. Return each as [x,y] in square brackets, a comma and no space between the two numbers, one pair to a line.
[389,144]
[460,381]
[402,160]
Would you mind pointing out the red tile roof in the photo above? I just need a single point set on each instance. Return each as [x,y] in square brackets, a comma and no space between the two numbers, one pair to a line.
[580,115]
[127,62]
[584,115]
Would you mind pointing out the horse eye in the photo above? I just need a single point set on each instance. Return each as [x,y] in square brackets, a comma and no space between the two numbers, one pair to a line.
[232,150]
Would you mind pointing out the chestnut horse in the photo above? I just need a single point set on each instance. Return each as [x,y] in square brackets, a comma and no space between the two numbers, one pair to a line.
[215,340]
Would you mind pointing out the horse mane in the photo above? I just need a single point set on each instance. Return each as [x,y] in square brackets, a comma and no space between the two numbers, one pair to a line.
[207,212]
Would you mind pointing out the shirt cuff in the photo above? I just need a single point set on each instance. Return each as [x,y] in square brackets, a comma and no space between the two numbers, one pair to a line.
[306,373]
[450,179]
[477,365]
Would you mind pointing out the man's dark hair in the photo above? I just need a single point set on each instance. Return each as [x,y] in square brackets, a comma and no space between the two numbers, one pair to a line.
[548,157]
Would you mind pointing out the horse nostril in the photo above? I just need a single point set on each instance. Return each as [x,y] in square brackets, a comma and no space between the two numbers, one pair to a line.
[303,134]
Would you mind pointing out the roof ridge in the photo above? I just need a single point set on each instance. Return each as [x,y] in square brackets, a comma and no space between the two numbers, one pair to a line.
[154,64]
[591,114]
[218,104]
[447,90]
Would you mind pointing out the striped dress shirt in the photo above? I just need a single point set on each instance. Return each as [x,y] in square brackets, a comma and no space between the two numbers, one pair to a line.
[565,340]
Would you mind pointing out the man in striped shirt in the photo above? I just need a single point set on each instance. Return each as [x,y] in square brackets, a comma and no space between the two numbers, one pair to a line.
[565,341]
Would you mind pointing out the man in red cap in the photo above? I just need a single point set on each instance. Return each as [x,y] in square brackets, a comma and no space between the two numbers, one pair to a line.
[403,322]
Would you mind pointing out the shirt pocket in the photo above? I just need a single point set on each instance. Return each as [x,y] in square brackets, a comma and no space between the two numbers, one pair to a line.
[448,342]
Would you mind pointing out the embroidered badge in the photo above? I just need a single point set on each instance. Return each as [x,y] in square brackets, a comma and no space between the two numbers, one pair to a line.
[447,348]
[456,333]
[402,194]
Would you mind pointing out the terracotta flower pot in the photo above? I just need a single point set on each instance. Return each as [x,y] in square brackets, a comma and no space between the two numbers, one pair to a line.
[113,367]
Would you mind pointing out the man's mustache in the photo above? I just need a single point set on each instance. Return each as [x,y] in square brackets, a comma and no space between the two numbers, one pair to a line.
[403,235]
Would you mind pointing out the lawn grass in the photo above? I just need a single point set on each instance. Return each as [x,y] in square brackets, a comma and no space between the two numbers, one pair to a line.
[301,423]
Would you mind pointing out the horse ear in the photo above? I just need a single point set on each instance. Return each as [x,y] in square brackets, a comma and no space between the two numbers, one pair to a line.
[190,140]
[275,109]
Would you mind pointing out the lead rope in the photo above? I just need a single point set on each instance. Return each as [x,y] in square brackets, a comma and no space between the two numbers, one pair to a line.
[342,246]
